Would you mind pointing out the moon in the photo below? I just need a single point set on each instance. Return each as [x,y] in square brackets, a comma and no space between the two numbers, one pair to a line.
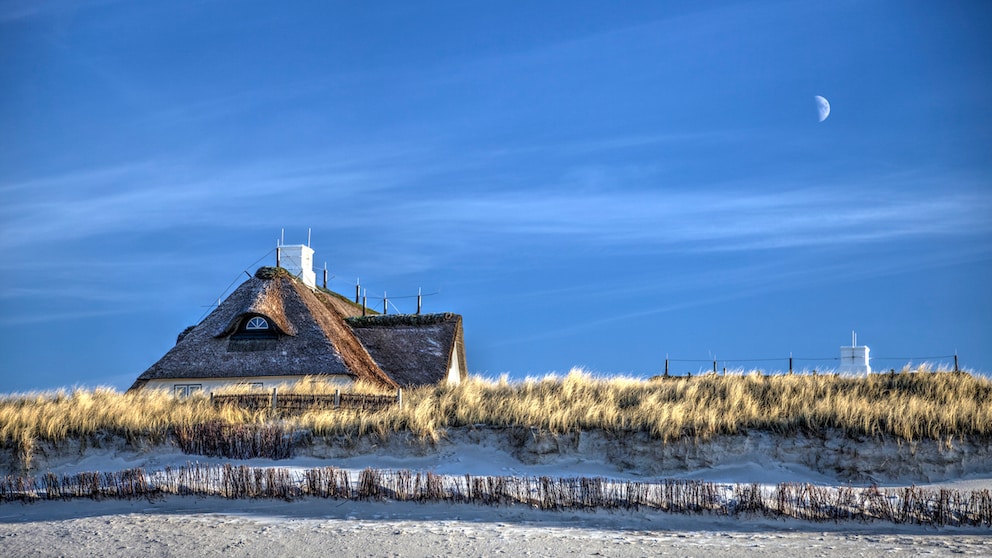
[822,107]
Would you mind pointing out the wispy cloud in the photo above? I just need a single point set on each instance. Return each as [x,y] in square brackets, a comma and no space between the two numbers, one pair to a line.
[152,196]
[20,319]
[732,218]
[711,221]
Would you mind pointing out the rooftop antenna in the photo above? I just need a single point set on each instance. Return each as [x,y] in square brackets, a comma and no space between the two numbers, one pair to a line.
[282,239]
[854,338]
[308,236]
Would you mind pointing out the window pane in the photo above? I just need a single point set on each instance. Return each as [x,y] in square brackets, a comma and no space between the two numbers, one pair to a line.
[257,323]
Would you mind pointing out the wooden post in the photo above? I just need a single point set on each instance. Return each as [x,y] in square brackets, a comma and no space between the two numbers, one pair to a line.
[274,399]
[325,276]
[714,366]
[385,303]
[278,259]
[956,363]
[365,300]
[666,367]
[790,364]
[418,301]
[399,397]
[358,289]
[337,399]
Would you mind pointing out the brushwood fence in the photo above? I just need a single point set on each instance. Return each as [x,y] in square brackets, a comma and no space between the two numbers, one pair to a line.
[298,403]
[909,505]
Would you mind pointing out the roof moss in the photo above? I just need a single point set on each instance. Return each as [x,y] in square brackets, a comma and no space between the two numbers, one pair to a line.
[346,300]
[267,272]
[389,320]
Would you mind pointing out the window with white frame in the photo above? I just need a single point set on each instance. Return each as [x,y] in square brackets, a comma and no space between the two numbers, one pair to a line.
[255,327]
[257,323]
[183,391]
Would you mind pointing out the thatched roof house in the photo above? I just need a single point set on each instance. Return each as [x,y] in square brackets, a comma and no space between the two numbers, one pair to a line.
[274,328]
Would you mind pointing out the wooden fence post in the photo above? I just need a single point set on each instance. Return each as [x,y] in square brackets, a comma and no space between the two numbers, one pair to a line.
[956,363]
[337,399]
[399,397]
[274,399]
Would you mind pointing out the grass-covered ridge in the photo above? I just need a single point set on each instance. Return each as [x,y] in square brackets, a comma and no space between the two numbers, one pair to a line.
[910,405]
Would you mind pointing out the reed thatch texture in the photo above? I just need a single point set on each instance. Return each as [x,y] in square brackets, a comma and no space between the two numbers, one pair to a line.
[263,297]
[414,350]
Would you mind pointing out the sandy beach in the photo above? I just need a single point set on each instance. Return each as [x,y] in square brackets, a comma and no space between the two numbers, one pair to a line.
[216,527]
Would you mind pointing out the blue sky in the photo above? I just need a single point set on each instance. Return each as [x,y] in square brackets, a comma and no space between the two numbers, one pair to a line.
[588,183]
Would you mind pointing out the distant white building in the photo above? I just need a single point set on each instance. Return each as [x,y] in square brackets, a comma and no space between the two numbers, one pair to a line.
[854,359]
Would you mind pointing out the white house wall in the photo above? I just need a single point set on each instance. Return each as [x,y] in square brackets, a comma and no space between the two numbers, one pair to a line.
[454,369]
[208,385]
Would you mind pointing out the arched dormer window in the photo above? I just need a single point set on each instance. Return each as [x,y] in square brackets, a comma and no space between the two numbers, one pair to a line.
[255,327]
[253,333]
[257,323]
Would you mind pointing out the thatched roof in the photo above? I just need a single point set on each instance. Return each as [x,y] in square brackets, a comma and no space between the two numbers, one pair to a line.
[413,349]
[313,338]
[318,333]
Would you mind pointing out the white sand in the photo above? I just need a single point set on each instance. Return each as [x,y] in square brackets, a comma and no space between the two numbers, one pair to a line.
[202,527]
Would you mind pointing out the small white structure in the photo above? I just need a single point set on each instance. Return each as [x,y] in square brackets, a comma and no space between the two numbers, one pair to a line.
[854,359]
[297,259]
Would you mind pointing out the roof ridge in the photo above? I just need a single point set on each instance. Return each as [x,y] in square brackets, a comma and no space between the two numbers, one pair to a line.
[345,343]
[400,319]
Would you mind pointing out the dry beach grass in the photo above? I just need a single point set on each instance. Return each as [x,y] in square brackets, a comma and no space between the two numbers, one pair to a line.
[910,405]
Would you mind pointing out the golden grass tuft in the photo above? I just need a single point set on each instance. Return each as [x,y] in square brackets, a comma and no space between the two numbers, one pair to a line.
[910,405]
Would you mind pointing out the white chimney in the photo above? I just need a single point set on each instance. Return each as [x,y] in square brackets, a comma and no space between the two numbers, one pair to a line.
[297,259]
[854,359]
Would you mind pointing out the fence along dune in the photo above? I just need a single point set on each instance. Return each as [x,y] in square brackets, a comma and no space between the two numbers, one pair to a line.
[914,505]
[911,405]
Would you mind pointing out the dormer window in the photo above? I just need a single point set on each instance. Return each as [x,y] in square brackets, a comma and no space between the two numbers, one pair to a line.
[254,333]
[254,328]
[257,323]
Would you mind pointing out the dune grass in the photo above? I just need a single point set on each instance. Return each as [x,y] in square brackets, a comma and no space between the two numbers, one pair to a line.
[910,405]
